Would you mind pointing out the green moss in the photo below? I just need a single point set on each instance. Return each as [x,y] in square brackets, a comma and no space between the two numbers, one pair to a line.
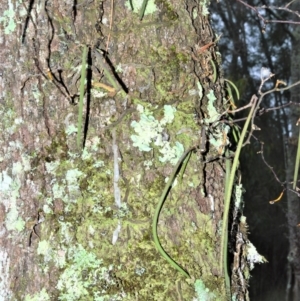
[172,63]
[167,10]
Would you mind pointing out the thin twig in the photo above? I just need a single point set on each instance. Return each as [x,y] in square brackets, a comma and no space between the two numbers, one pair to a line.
[261,152]
[271,7]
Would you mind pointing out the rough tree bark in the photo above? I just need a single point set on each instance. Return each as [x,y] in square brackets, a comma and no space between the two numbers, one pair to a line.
[76,223]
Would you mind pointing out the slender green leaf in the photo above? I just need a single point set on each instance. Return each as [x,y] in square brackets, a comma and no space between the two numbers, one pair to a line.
[80,109]
[296,172]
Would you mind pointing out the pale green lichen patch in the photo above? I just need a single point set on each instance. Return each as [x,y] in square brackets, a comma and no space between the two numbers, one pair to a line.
[147,130]
[9,189]
[203,293]
[150,132]
[9,120]
[204,5]
[219,138]
[67,188]
[44,249]
[41,296]
[200,90]
[72,177]
[213,114]
[82,277]
[171,154]
[8,19]
[137,4]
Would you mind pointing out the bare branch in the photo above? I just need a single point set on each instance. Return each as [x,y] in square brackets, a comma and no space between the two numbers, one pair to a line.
[265,21]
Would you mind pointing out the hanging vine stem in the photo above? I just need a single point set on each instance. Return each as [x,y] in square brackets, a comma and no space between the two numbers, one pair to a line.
[80,108]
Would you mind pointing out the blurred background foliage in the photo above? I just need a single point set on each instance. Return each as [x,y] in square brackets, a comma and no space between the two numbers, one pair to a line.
[246,47]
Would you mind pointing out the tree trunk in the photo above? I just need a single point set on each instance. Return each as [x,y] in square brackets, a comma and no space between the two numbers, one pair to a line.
[293,288]
[77,216]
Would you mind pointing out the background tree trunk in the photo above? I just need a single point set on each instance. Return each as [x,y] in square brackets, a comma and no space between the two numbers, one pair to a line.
[77,223]
[293,285]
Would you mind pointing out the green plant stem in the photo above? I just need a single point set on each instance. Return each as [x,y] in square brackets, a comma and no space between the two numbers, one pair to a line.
[158,209]
[82,84]
[215,70]
[296,171]
[230,175]
[143,8]
[235,88]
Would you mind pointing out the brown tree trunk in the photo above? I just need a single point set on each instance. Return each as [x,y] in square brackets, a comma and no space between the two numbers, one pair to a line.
[77,222]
